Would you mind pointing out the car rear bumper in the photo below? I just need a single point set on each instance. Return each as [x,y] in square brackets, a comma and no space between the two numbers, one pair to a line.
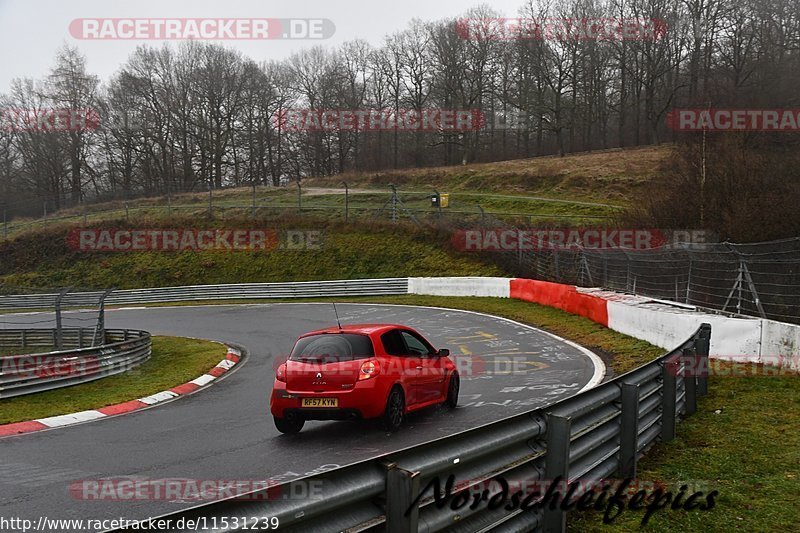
[367,399]
[323,414]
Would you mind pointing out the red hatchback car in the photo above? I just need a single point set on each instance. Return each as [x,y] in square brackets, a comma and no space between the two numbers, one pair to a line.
[369,371]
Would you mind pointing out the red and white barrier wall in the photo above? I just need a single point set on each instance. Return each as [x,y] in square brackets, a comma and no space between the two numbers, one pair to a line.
[661,323]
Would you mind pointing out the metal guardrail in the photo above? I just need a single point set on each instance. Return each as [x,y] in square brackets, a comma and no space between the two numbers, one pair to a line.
[47,338]
[122,350]
[599,433]
[241,291]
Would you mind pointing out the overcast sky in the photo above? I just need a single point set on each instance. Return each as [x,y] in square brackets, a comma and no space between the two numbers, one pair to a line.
[32,30]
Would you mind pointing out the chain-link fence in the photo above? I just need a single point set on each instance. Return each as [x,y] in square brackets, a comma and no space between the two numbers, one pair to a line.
[760,279]
[269,203]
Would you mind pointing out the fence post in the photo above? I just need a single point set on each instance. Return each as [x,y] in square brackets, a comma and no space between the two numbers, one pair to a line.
[739,292]
[669,384]
[59,333]
[752,286]
[585,261]
[99,336]
[629,431]
[555,264]
[299,196]
[690,380]
[689,281]
[5,225]
[557,465]
[702,347]
[44,215]
[346,201]
[628,276]
[402,487]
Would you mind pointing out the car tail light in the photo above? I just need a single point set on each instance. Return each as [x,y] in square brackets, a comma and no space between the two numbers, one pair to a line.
[280,374]
[370,369]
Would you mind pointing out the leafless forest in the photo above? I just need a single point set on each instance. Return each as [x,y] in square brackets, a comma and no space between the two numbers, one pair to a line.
[197,115]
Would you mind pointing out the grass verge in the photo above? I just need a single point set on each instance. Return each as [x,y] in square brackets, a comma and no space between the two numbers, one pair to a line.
[743,442]
[174,361]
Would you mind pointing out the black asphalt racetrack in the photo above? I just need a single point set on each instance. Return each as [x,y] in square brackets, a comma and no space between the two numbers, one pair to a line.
[225,432]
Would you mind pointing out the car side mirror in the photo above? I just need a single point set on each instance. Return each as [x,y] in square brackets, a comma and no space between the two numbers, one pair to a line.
[444,352]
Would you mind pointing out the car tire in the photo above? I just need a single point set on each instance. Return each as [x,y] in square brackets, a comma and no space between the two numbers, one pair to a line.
[453,386]
[289,425]
[395,412]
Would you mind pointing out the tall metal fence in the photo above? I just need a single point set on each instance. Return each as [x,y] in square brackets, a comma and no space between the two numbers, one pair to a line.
[387,204]
[588,438]
[758,279]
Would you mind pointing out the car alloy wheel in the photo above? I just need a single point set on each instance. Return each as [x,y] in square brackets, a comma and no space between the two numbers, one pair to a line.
[395,410]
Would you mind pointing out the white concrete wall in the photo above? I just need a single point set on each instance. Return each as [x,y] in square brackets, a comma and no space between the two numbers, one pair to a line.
[658,324]
[780,341]
[464,286]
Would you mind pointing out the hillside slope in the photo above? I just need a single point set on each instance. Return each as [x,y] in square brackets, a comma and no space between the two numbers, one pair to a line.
[609,175]
[44,259]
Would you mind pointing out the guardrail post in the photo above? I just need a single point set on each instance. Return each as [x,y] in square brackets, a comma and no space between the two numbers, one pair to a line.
[702,346]
[629,431]
[669,384]
[402,487]
[689,374]
[557,465]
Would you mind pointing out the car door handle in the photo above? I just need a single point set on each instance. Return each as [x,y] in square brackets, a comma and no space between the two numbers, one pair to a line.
[419,368]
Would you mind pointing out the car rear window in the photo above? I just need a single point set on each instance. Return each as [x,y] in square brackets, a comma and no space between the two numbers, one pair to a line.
[332,348]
